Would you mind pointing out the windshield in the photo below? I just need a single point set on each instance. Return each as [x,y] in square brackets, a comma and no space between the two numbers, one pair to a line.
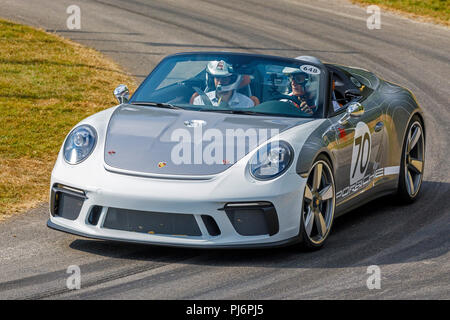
[235,83]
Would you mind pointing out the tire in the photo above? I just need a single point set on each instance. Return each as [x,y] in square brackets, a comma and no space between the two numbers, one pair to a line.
[318,205]
[412,162]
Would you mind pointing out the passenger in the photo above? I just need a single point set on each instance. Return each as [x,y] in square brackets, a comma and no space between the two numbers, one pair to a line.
[299,85]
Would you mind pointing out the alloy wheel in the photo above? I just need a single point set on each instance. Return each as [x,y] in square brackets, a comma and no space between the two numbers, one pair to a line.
[414,159]
[318,202]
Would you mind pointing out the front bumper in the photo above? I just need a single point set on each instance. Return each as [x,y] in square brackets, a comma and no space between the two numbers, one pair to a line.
[282,243]
[197,198]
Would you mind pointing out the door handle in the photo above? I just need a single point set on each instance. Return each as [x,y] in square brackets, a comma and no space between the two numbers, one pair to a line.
[379,126]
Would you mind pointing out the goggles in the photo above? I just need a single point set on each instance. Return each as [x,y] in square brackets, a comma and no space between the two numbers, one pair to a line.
[225,80]
[300,78]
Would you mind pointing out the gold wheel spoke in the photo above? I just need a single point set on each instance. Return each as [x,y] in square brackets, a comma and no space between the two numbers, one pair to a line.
[414,138]
[309,221]
[308,193]
[326,192]
[410,182]
[317,176]
[320,222]
[416,165]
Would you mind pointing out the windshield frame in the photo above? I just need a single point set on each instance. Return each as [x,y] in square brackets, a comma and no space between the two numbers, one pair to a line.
[324,90]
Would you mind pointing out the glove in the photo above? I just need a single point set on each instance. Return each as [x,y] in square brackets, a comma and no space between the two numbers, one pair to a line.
[305,108]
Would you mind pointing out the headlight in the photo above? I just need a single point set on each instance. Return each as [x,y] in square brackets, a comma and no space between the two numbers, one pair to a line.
[271,160]
[79,144]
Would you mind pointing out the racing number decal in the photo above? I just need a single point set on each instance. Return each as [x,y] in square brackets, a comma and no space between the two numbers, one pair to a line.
[310,69]
[362,145]
[361,152]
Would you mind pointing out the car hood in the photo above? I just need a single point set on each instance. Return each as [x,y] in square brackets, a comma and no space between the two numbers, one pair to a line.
[166,142]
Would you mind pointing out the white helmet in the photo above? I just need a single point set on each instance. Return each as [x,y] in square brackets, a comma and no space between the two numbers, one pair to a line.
[291,71]
[309,59]
[221,69]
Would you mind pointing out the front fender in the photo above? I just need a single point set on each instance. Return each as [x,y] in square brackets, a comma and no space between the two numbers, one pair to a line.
[319,142]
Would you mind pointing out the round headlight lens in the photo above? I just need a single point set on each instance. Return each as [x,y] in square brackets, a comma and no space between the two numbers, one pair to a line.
[79,144]
[271,160]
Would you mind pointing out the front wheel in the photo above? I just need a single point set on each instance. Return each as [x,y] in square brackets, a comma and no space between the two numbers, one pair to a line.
[319,201]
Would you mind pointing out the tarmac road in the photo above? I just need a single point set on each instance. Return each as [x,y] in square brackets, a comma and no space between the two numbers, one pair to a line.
[410,244]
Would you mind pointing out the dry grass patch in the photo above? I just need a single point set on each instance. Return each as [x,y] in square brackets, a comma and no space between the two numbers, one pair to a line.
[47,85]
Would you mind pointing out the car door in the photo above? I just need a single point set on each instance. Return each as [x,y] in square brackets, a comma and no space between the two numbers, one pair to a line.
[358,139]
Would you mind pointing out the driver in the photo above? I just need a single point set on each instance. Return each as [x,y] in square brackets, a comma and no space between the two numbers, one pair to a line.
[226,83]
[299,85]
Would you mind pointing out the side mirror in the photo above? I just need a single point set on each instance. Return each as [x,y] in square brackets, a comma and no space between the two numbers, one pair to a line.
[354,110]
[122,94]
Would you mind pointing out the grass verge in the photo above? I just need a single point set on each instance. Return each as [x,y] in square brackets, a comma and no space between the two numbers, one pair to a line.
[437,11]
[47,85]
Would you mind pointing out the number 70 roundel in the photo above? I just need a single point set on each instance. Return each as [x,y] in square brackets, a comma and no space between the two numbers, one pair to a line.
[361,152]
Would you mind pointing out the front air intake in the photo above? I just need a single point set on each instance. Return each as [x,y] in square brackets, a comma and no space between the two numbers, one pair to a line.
[174,224]
[211,225]
[66,202]
[253,218]
[94,215]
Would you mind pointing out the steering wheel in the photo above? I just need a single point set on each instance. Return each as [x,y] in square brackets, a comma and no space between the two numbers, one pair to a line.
[294,99]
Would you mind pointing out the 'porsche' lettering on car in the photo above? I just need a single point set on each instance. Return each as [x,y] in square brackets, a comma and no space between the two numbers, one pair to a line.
[361,183]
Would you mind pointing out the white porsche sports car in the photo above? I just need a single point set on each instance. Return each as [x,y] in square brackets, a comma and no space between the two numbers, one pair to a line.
[237,150]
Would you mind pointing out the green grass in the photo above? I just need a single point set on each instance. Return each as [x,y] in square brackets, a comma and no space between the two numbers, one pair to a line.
[47,85]
[434,10]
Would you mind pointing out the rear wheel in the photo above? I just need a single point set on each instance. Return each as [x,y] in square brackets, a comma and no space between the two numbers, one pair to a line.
[318,205]
[412,162]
